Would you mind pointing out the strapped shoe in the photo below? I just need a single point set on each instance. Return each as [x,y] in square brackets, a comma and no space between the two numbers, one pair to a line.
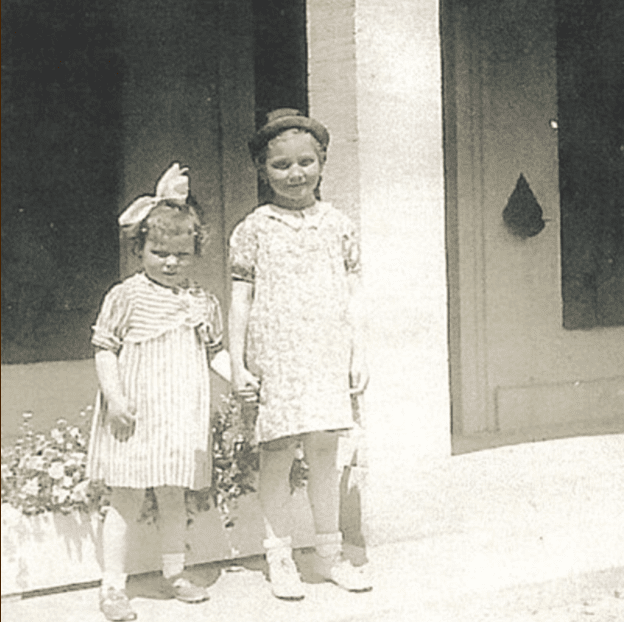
[283,575]
[330,564]
[186,591]
[115,605]
[342,572]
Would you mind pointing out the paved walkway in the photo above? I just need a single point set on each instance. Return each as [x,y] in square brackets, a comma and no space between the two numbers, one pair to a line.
[517,534]
[408,587]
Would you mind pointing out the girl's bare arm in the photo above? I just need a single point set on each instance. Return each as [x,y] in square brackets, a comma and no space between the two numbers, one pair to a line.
[106,366]
[243,381]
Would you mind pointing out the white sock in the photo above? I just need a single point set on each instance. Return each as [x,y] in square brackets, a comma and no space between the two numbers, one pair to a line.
[328,544]
[173,564]
[115,580]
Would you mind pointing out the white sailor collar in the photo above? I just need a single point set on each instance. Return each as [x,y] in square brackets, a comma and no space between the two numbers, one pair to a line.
[310,217]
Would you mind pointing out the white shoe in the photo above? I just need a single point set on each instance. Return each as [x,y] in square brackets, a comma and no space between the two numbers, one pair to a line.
[283,573]
[342,572]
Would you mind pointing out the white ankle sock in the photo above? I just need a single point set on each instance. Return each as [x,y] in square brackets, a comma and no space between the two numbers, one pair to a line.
[116,580]
[328,544]
[173,564]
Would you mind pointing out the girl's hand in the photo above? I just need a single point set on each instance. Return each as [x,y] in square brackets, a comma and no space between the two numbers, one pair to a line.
[358,378]
[122,419]
[245,384]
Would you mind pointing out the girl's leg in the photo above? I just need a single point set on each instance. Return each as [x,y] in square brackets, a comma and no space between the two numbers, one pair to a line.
[172,527]
[125,505]
[276,458]
[321,450]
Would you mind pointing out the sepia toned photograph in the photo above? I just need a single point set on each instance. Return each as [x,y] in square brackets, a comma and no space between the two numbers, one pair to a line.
[312,310]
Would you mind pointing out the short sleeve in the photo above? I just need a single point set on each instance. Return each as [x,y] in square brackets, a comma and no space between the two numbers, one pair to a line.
[214,324]
[112,321]
[243,251]
[350,248]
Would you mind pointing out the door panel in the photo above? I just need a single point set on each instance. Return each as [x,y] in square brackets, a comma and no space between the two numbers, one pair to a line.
[171,104]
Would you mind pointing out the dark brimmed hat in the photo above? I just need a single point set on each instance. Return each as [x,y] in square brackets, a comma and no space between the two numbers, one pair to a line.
[284,119]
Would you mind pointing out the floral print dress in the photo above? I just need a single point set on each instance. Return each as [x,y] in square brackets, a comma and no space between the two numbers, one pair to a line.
[299,336]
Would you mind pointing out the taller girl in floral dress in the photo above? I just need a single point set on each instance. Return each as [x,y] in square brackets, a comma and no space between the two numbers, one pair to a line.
[152,424]
[296,337]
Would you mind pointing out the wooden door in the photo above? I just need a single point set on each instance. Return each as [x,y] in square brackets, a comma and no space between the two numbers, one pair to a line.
[517,372]
[188,97]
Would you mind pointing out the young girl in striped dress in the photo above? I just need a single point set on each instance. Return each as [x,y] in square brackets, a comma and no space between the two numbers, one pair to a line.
[152,424]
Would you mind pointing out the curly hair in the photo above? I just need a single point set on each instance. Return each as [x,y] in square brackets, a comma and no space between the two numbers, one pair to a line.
[171,218]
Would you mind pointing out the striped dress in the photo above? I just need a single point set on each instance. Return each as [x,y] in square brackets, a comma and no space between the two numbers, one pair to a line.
[160,336]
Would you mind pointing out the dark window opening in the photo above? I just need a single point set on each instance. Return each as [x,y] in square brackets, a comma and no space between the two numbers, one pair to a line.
[61,158]
[590,81]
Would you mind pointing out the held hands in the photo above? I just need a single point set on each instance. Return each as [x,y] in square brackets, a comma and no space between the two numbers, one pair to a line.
[245,384]
[122,419]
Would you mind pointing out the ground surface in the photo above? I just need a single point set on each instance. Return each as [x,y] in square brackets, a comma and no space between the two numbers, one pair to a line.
[403,591]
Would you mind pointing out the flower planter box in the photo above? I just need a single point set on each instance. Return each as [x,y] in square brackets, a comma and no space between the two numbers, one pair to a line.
[50,550]
[50,540]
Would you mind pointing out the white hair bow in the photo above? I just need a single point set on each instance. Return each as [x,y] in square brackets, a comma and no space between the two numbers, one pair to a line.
[173,184]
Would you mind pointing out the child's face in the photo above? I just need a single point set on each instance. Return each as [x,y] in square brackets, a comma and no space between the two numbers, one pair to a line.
[292,169]
[168,259]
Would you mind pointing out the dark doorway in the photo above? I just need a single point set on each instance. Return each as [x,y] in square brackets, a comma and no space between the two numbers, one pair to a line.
[61,159]
[280,61]
[81,110]
[280,56]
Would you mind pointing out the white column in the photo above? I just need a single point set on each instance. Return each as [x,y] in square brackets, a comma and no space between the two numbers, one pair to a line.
[378,63]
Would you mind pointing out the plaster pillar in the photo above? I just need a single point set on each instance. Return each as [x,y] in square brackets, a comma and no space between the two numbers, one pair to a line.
[375,80]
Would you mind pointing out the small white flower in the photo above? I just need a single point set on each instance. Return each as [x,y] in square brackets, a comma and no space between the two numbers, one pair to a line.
[57,435]
[78,457]
[35,462]
[31,487]
[60,494]
[70,462]
[79,493]
[56,470]
[49,454]
[67,482]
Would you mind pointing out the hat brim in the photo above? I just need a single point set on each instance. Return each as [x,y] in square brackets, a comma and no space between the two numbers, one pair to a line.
[273,128]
